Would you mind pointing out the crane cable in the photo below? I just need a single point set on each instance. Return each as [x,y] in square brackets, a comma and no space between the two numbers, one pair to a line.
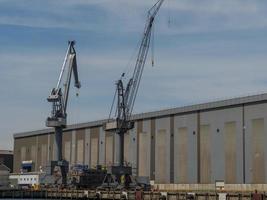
[127,68]
[153,35]
[152,45]
[169,14]
[112,105]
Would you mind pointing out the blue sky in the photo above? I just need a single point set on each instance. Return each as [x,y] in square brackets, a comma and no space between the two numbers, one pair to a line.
[211,49]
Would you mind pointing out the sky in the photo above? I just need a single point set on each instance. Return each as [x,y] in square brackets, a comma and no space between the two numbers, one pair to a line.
[203,50]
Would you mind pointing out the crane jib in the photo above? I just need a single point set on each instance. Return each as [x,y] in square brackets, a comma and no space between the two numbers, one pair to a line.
[59,100]
[126,97]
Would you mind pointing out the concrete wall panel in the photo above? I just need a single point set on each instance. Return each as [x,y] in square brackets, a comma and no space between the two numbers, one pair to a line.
[162,150]
[23,153]
[256,142]
[42,149]
[143,156]
[133,145]
[102,146]
[73,148]
[161,157]
[205,152]
[109,149]
[127,149]
[80,152]
[33,152]
[80,146]
[144,148]
[230,152]
[188,122]
[94,147]
[182,157]
[258,160]
[116,149]
[153,149]
[44,155]
[87,150]
[216,119]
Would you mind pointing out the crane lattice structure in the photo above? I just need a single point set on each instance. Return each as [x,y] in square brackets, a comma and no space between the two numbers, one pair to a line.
[59,100]
[126,96]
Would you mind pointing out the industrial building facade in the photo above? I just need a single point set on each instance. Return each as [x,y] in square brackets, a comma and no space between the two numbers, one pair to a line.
[222,140]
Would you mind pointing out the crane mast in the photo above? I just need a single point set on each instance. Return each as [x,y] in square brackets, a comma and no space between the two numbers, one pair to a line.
[126,96]
[59,100]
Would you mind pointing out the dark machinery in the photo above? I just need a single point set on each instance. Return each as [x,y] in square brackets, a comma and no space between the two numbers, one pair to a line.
[82,177]
[126,96]
[58,118]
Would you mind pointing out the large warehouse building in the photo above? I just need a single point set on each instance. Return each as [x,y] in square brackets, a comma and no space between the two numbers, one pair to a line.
[222,140]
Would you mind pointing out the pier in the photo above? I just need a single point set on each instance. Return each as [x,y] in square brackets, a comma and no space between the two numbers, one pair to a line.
[131,195]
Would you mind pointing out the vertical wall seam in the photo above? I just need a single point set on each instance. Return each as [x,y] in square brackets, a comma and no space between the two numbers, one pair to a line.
[198,147]
[244,143]
[113,149]
[171,149]
[139,130]
[84,146]
[152,150]
[98,146]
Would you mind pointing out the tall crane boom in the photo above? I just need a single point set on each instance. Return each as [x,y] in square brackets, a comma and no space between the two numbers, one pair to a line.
[126,96]
[59,100]
[134,82]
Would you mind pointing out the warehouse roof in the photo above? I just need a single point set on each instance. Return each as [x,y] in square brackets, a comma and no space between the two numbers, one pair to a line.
[172,111]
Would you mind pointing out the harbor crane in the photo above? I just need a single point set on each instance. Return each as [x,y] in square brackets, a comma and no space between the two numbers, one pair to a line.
[59,100]
[126,96]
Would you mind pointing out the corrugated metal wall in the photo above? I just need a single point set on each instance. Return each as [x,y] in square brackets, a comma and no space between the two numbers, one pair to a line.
[196,147]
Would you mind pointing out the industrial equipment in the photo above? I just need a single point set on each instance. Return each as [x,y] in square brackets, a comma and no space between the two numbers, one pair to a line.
[59,100]
[126,97]
[80,176]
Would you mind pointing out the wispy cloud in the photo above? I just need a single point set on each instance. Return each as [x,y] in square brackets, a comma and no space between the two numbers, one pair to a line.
[186,15]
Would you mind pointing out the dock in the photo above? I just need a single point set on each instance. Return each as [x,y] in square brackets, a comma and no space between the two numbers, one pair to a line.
[131,195]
